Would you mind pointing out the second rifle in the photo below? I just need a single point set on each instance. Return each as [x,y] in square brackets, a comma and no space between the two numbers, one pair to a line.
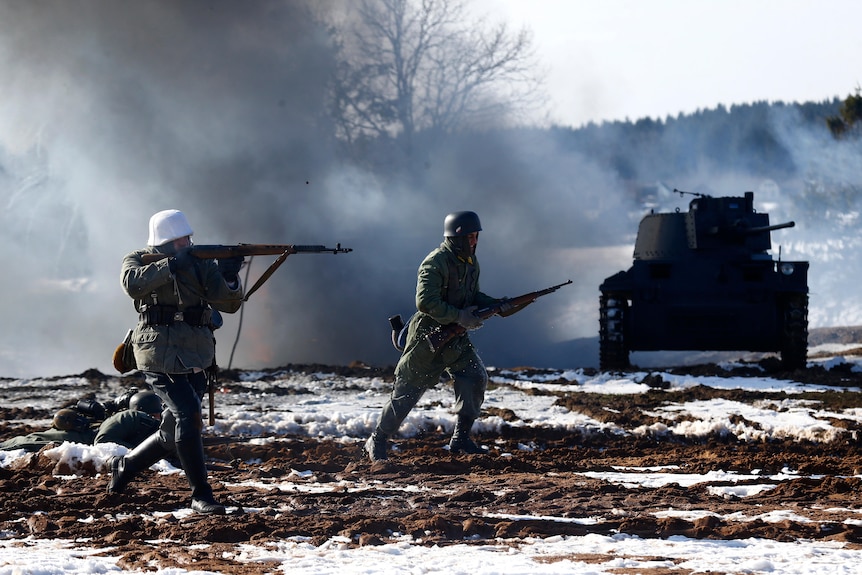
[440,337]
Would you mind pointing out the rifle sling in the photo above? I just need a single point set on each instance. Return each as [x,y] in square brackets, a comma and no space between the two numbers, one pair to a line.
[266,275]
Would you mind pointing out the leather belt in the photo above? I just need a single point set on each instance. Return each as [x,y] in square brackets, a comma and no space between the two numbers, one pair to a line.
[169,315]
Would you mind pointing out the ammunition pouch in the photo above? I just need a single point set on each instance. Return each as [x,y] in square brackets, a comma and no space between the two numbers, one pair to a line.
[169,315]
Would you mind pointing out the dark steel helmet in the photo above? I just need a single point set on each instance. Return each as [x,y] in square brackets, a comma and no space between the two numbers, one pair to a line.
[146,402]
[461,224]
[70,420]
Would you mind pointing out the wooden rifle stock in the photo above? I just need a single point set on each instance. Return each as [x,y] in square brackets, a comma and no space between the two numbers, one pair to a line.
[440,337]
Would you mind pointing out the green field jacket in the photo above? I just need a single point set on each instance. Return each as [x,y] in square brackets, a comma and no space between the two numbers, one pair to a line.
[444,285]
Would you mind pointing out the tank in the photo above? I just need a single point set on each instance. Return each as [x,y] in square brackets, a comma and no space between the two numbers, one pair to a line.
[705,280]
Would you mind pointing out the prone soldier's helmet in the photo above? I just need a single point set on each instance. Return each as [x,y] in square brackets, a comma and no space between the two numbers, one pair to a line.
[459,224]
[146,402]
[69,420]
[167,226]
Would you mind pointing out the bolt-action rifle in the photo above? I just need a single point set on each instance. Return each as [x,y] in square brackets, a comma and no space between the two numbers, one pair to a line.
[217,251]
[440,337]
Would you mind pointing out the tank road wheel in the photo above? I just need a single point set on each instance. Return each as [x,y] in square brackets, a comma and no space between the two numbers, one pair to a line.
[612,346]
[794,338]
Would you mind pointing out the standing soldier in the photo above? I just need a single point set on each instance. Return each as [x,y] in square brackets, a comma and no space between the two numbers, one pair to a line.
[447,291]
[173,345]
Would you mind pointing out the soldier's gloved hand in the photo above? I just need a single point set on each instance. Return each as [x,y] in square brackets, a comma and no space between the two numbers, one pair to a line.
[468,319]
[229,267]
[181,261]
[507,308]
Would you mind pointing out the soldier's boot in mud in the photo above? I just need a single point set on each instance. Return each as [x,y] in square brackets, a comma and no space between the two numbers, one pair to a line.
[124,468]
[191,456]
[377,446]
[461,442]
[402,399]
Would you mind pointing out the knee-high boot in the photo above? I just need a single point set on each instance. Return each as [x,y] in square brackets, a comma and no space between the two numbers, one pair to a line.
[124,468]
[191,455]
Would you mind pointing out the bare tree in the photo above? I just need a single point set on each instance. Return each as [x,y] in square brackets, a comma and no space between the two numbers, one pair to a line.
[410,65]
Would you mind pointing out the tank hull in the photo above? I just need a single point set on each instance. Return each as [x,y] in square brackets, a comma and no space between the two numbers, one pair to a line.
[697,286]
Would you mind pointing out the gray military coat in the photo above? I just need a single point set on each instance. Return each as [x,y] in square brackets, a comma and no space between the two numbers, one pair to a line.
[178,346]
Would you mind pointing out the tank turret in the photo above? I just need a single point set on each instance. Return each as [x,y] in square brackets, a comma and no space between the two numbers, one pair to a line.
[705,280]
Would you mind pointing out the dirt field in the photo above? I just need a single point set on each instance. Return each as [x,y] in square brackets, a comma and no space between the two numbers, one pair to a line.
[439,498]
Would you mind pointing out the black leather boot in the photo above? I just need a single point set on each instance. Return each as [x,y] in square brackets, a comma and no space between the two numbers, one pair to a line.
[124,468]
[191,454]
[461,442]
[377,446]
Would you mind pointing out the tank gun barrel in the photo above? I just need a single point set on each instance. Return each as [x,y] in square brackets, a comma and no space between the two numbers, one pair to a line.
[771,228]
[739,229]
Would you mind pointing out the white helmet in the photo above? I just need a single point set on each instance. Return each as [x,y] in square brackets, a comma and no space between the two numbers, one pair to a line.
[167,226]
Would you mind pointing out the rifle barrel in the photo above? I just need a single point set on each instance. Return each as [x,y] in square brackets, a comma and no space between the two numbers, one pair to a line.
[215,251]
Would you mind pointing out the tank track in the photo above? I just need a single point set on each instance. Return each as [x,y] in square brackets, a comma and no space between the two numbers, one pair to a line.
[794,338]
[613,354]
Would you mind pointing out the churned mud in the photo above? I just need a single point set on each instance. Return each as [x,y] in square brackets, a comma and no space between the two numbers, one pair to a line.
[317,490]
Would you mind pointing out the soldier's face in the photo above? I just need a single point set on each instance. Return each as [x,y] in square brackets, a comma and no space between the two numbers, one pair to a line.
[473,239]
[182,243]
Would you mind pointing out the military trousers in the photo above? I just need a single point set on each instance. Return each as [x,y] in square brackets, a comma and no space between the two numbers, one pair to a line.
[420,369]
[181,393]
[182,424]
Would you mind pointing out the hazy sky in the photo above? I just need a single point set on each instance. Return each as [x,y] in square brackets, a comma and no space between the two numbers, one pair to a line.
[619,59]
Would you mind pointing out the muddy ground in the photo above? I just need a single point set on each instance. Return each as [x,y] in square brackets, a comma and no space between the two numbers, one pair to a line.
[440,498]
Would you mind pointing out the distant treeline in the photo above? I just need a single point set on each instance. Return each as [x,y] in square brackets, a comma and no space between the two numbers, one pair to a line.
[744,137]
